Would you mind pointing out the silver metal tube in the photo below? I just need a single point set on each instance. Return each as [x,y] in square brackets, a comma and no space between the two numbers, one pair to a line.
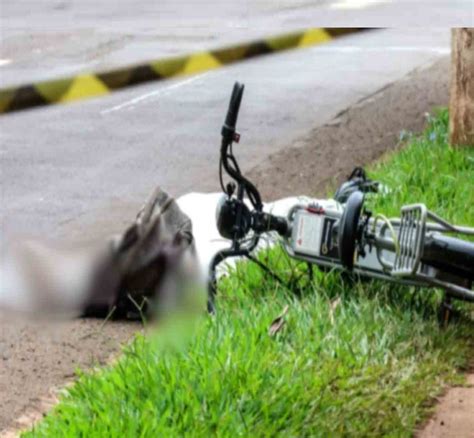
[433,226]
[456,291]
[385,243]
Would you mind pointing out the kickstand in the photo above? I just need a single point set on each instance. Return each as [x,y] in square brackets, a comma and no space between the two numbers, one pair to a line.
[446,310]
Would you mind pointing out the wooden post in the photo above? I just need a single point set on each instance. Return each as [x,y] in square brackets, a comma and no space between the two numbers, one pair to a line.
[461,106]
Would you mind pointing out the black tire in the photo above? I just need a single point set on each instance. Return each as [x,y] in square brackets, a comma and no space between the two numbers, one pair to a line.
[348,229]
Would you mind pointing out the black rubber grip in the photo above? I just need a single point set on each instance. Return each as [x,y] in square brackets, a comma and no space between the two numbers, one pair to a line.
[450,254]
[278,224]
[234,106]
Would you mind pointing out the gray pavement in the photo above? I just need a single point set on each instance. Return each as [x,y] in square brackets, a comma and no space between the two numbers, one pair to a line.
[50,38]
[65,167]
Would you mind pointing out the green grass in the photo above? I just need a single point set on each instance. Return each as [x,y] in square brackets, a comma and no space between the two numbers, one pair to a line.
[431,173]
[370,367]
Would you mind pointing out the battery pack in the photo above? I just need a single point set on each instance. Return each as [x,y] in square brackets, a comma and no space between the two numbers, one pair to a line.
[307,233]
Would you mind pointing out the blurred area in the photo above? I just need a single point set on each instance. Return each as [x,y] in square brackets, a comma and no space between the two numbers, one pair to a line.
[41,281]
[150,270]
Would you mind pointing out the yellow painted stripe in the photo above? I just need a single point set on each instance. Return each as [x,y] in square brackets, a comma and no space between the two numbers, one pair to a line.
[313,37]
[168,67]
[85,86]
[200,62]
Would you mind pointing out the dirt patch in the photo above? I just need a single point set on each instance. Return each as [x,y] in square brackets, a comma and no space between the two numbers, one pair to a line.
[454,415]
[358,136]
[33,360]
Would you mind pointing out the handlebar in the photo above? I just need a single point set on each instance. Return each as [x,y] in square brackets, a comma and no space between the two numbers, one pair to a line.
[228,129]
[228,160]
[450,254]
[234,105]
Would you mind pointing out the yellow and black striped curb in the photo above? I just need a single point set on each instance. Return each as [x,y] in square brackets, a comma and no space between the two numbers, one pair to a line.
[85,86]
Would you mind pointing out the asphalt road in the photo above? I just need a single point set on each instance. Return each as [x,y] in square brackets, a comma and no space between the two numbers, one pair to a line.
[63,167]
[91,164]
[49,38]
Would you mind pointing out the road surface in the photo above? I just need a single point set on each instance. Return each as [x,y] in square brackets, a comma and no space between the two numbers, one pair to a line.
[74,164]
[49,38]
[69,164]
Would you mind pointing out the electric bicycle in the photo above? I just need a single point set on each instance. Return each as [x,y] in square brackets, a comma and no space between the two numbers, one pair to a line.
[419,248]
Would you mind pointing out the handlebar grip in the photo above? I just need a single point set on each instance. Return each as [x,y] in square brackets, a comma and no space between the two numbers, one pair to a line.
[234,106]
[450,254]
